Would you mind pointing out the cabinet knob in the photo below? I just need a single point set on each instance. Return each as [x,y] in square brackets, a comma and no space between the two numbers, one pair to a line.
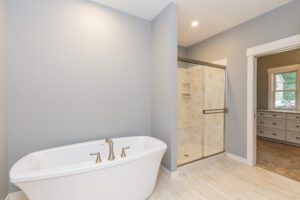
[274,123]
[274,115]
[274,133]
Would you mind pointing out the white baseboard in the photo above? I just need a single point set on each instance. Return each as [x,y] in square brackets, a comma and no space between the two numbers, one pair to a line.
[238,158]
[16,196]
[168,173]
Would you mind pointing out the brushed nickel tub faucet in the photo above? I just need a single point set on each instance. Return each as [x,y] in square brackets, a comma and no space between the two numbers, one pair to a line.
[111,149]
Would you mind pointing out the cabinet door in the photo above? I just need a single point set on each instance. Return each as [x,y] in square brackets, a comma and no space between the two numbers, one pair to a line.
[293,137]
[275,115]
[293,125]
[271,123]
[271,133]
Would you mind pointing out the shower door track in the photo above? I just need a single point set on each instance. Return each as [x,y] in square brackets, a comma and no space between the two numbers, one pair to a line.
[203,158]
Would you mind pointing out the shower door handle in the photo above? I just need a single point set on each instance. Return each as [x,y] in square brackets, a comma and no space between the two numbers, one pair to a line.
[215,111]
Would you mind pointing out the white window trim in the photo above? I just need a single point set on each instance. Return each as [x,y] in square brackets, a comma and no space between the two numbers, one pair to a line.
[271,72]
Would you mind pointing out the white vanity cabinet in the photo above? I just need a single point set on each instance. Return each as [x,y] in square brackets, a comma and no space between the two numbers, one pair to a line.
[283,126]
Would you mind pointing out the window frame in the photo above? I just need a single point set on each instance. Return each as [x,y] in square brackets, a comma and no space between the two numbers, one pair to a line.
[272,84]
[283,90]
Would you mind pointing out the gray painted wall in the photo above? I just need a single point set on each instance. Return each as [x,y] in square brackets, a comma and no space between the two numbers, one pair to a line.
[232,44]
[164,78]
[266,62]
[3,111]
[182,51]
[77,72]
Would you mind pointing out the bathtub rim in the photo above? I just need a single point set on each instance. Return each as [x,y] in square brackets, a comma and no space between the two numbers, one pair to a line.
[16,178]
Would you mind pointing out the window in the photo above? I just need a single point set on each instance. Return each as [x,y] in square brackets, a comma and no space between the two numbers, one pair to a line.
[284,83]
[285,89]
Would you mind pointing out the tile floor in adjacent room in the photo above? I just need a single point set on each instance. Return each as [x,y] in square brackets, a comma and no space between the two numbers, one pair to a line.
[279,158]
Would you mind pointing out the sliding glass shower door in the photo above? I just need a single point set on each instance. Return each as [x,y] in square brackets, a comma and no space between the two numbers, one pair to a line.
[201,111]
[214,111]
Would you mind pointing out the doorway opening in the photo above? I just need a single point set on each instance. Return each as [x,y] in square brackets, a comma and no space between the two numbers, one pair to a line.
[258,120]
[278,113]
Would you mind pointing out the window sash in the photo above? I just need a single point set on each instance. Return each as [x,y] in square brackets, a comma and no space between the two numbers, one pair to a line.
[284,90]
[272,89]
[285,72]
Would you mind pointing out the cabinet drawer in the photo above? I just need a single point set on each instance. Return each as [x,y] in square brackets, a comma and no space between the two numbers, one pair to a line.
[271,123]
[276,115]
[271,133]
[293,116]
[293,137]
[293,125]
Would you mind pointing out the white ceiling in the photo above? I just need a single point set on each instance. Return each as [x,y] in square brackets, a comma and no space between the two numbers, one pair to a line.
[214,16]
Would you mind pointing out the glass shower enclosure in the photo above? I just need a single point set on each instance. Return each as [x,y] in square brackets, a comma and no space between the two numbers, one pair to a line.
[201,97]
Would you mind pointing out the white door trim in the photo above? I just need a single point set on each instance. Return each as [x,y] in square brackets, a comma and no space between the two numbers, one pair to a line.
[285,44]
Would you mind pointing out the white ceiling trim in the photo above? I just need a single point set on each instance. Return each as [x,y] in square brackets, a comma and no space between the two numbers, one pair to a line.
[145,9]
[214,16]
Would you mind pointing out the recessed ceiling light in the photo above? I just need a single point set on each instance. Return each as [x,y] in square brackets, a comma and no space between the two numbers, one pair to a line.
[195,23]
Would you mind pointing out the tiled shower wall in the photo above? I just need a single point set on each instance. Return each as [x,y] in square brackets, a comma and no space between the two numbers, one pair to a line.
[190,117]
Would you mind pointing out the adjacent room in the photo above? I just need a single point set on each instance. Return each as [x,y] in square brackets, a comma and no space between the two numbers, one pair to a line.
[149,100]
[278,142]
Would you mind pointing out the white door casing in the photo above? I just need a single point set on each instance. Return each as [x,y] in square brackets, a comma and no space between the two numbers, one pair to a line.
[281,45]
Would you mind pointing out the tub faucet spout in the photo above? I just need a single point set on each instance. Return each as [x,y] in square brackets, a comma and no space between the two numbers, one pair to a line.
[111,149]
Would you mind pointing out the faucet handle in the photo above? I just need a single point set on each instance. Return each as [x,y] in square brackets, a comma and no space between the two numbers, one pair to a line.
[123,154]
[98,160]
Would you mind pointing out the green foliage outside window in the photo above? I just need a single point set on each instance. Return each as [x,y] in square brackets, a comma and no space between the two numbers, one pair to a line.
[285,90]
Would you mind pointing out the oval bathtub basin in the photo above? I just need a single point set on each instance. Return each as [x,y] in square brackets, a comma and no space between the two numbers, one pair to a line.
[70,173]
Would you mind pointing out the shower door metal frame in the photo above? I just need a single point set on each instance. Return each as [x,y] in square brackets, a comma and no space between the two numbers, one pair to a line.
[192,61]
[213,111]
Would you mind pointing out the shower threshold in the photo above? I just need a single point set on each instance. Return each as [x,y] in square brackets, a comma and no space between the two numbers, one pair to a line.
[203,158]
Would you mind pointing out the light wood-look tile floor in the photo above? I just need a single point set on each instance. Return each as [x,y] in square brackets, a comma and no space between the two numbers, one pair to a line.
[225,179]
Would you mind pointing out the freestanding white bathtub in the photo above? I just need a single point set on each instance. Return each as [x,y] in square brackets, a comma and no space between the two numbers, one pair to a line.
[70,173]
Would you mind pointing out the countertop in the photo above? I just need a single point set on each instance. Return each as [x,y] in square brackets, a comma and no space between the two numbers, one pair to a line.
[279,111]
